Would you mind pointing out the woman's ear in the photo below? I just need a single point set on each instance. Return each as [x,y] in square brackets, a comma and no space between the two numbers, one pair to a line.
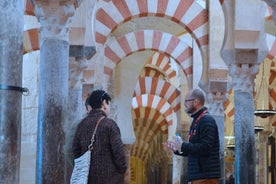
[106,107]
[104,104]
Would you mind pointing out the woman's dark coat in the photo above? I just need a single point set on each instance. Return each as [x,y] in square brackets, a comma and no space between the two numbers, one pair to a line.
[108,160]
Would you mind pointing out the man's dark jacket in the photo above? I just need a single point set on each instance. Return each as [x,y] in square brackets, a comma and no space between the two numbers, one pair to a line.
[202,149]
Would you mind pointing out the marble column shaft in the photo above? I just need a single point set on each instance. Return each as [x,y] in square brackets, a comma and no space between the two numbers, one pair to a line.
[53,93]
[243,50]
[55,19]
[11,36]
[78,56]
[220,124]
[216,101]
[244,138]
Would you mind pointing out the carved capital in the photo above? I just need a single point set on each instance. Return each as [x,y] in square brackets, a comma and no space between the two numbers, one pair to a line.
[61,2]
[216,102]
[55,18]
[76,68]
[243,76]
[81,51]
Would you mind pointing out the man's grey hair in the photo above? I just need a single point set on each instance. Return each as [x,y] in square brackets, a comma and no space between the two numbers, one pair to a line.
[199,95]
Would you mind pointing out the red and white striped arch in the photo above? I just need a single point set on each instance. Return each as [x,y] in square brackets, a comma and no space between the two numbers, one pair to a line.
[149,121]
[31,41]
[156,86]
[31,36]
[151,71]
[139,147]
[146,126]
[148,40]
[146,130]
[161,62]
[29,8]
[156,103]
[192,16]
[272,78]
[229,108]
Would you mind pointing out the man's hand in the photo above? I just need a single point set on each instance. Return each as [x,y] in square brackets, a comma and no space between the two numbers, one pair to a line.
[172,146]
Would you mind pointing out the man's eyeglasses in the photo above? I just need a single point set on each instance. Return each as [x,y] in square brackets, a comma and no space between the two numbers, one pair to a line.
[188,100]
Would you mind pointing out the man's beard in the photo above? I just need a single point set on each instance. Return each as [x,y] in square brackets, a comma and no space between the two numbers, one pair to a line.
[190,110]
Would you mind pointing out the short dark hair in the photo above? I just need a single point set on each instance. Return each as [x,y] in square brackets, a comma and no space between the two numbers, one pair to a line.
[96,98]
[198,94]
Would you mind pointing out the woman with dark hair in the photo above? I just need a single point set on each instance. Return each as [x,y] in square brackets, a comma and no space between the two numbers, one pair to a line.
[108,161]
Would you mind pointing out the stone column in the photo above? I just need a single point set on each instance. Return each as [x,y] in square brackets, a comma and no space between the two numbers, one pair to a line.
[244,124]
[261,156]
[243,50]
[55,18]
[217,74]
[11,36]
[180,162]
[77,64]
[216,108]
[177,168]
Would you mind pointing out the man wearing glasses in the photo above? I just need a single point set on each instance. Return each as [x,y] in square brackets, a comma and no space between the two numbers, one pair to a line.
[202,145]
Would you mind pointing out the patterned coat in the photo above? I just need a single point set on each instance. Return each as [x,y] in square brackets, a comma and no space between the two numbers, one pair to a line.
[108,160]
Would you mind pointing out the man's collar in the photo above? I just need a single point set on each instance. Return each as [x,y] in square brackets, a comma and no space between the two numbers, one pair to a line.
[196,113]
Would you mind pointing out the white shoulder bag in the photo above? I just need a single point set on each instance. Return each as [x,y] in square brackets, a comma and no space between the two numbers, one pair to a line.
[82,164]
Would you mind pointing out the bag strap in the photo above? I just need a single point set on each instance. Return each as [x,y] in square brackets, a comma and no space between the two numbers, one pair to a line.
[90,147]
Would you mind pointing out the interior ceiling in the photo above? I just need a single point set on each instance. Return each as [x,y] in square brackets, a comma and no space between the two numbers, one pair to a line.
[154,23]
[149,123]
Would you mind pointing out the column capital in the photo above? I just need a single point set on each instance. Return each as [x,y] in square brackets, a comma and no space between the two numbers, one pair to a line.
[55,18]
[243,76]
[78,63]
[81,51]
[217,105]
[60,2]
[76,68]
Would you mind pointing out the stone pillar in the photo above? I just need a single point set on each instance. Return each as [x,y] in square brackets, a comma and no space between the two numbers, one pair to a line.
[77,64]
[243,49]
[11,36]
[244,124]
[216,90]
[177,168]
[55,18]
[271,157]
[261,156]
[216,108]
[180,162]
